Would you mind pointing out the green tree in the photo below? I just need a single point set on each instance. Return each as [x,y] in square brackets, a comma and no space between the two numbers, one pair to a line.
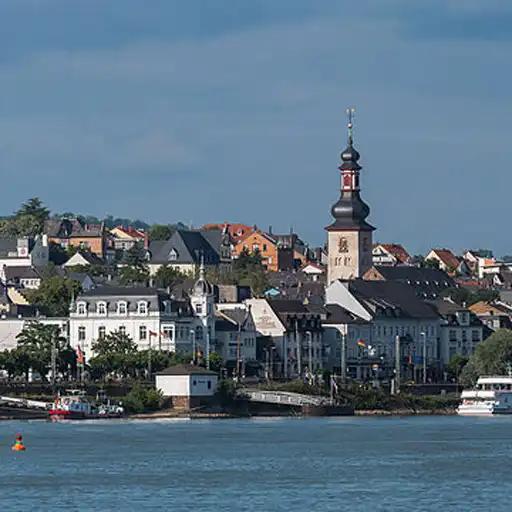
[54,296]
[160,232]
[216,362]
[135,269]
[249,270]
[114,343]
[27,221]
[455,366]
[491,357]
[168,277]
[57,254]
[36,340]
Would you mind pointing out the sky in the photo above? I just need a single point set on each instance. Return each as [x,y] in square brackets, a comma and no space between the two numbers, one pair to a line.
[234,110]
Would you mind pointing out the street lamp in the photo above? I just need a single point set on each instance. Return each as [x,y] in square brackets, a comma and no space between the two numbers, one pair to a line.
[193,339]
[423,337]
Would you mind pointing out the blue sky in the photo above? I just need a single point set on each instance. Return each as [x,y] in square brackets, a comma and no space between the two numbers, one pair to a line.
[206,111]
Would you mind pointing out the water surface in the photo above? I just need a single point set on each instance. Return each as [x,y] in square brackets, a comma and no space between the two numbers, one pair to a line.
[293,465]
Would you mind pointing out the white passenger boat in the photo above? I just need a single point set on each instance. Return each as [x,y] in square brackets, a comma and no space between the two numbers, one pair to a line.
[491,395]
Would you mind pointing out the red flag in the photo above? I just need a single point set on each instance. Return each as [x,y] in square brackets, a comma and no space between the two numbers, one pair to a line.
[80,359]
[153,333]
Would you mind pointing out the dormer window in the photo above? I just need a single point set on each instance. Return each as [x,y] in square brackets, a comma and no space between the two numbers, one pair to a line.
[122,307]
[142,308]
[173,255]
[101,308]
[81,308]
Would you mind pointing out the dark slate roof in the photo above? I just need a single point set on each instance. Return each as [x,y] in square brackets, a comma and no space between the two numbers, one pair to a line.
[121,291]
[448,310]
[7,245]
[186,369]
[428,283]
[21,272]
[287,306]
[189,247]
[390,298]
[337,315]
[68,228]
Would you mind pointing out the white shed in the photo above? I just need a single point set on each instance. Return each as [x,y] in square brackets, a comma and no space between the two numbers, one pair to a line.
[187,385]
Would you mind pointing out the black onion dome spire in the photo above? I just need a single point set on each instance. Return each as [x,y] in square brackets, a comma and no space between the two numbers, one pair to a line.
[350,211]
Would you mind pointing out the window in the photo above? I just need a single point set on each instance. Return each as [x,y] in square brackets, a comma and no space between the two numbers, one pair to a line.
[199,308]
[122,329]
[81,333]
[142,308]
[81,308]
[101,332]
[122,308]
[101,308]
[452,335]
[173,255]
[143,333]
[475,335]
[209,384]
[264,247]
[199,333]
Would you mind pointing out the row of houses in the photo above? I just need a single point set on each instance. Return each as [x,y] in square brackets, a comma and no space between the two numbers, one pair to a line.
[355,329]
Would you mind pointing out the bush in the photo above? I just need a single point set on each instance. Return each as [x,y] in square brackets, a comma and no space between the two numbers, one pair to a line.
[141,399]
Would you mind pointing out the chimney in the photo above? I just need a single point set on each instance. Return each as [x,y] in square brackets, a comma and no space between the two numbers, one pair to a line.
[270,230]
[146,240]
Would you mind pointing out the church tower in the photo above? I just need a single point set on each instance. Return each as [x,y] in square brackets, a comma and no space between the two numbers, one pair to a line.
[349,236]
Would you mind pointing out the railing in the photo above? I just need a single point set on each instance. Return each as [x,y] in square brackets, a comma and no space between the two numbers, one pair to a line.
[284,398]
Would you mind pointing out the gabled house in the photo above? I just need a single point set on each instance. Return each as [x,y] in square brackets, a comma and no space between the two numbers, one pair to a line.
[390,254]
[22,277]
[274,255]
[460,331]
[478,260]
[83,259]
[123,239]
[236,338]
[75,233]
[445,258]
[183,251]
[235,231]
[495,315]
[296,334]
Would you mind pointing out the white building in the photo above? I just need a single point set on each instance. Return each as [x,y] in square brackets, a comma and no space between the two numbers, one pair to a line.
[186,385]
[393,310]
[296,333]
[235,336]
[461,330]
[149,316]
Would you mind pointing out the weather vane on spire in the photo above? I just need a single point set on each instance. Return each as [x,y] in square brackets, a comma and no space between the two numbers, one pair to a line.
[350,114]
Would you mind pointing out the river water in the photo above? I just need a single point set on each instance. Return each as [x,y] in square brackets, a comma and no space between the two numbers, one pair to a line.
[293,465]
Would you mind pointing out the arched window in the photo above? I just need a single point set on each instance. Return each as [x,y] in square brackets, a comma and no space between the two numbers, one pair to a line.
[81,308]
[122,307]
[142,308]
[101,308]
[173,255]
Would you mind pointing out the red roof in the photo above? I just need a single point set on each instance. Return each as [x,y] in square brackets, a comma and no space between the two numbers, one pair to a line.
[131,231]
[447,257]
[236,231]
[398,251]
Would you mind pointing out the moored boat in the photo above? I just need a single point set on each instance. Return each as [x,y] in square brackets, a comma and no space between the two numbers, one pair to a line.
[491,395]
[75,405]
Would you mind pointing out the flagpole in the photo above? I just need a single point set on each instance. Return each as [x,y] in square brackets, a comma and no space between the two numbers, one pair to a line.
[149,358]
